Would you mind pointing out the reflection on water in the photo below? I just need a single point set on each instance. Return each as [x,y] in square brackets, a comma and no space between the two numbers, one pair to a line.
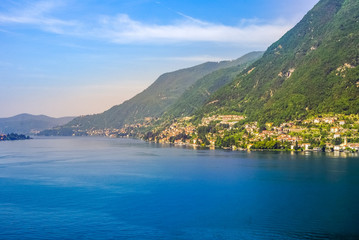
[100,188]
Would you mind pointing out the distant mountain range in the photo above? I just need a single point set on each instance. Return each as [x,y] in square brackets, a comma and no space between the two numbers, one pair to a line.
[312,69]
[30,124]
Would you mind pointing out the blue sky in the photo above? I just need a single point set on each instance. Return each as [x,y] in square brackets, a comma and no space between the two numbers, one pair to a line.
[72,57]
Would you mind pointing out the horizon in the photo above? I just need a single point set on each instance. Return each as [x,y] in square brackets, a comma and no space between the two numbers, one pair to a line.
[70,59]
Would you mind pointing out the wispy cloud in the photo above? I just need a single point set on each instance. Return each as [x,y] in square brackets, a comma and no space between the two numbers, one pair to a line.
[37,14]
[122,29]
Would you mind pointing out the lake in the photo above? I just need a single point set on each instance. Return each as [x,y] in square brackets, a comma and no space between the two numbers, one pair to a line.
[102,188]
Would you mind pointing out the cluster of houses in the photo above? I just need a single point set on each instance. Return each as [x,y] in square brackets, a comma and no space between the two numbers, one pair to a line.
[126,130]
[222,119]
[290,132]
[343,147]
[104,132]
[332,120]
[183,132]
[175,130]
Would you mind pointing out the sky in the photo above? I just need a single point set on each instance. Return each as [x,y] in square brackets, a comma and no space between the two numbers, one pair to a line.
[79,57]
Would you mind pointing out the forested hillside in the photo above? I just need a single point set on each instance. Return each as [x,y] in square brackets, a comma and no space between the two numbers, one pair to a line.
[196,95]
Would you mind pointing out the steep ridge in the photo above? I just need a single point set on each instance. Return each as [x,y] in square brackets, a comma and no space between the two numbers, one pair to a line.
[312,69]
[196,95]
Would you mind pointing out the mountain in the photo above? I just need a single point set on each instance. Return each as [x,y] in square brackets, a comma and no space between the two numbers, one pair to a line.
[150,103]
[312,69]
[30,124]
[197,94]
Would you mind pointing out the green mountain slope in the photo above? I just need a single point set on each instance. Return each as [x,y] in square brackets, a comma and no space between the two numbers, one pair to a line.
[196,95]
[28,124]
[152,102]
[312,69]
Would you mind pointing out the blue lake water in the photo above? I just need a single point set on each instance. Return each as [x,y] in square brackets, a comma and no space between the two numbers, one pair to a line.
[101,188]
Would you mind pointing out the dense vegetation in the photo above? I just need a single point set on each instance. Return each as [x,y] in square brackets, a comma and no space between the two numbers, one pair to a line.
[197,94]
[311,69]
[13,136]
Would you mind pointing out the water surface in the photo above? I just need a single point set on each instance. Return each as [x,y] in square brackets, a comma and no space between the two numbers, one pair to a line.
[101,188]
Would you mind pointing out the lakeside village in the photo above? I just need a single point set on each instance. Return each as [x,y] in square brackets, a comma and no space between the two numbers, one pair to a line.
[321,133]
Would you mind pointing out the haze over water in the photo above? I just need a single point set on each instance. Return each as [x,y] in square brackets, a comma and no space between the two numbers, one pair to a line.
[100,188]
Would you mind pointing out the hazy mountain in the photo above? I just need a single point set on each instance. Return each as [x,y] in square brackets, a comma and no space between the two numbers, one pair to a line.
[152,102]
[312,69]
[30,124]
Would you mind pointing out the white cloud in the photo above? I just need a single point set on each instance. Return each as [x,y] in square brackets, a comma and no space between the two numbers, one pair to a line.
[122,29]
[37,14]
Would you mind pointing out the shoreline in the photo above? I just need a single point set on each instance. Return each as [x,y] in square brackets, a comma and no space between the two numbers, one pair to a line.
[233,149]
[208,147]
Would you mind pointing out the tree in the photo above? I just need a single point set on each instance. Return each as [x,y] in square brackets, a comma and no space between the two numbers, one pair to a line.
[337,141]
